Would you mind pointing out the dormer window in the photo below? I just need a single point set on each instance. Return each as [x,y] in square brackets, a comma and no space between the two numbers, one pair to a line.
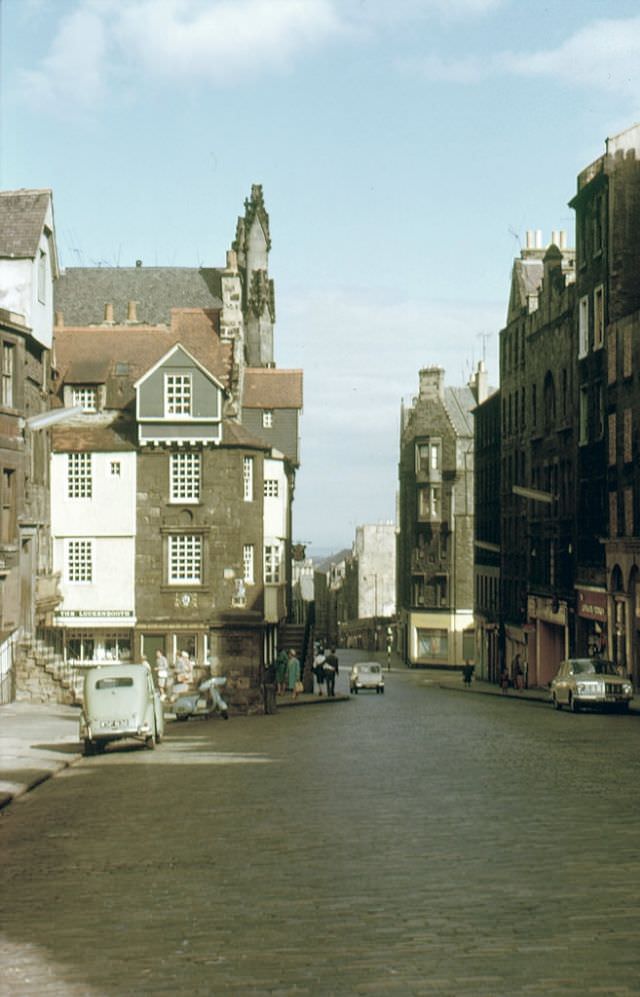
[85,395]
[177,394]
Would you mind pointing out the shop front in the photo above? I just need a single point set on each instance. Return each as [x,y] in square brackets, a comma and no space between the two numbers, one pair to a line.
[550,617]
[591,621]
[92,637]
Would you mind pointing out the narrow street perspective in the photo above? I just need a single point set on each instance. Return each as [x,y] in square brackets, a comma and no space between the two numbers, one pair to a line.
[428,841]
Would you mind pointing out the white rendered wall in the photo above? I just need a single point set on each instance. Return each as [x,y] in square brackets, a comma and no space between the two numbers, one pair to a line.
[376,552]
[275,509]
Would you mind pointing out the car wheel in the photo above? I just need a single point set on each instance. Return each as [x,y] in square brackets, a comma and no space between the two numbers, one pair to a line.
[554,702]
[574,705]
[150,742]
[89,747]
[622,707]
[355,689]
[382,690]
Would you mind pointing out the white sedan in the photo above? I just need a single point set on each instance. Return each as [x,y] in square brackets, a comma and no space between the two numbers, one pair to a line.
[366,675]
[590,682]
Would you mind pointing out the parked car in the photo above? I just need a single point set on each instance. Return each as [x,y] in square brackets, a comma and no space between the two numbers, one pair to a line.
[590,682]
[366,675]
[120,701]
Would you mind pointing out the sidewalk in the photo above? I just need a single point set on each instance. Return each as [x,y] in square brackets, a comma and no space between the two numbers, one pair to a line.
[36,741]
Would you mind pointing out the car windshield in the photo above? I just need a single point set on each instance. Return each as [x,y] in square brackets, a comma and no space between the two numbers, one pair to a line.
[369,668]
[594,666]
[114,682]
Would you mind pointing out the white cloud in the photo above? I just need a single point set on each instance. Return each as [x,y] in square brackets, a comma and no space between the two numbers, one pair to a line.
[74,67]
[603,55]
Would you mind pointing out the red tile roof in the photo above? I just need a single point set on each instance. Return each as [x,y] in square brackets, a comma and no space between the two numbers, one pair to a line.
[270,387]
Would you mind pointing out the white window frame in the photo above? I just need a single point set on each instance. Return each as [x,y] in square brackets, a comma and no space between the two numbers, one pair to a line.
[115,468]
[583,326]
[598,317]
[271,488]
[185,470]
[79,562]
[178,396]
[248,564]
[247,479]
[185,558]
[79,476]
[272,564]
[8,370]
[267,418]
[85,395]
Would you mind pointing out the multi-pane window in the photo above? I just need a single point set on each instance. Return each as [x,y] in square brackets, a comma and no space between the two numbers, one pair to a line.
[429,503]
[247,563]
[86,396]
[79,561]
[185,559]
[8,506]
[612,438]
[267,418]
[185,477]
[628,436]
[428,456]
[598,317]
[247,478]
[271,488]
[115,468]
[583,327]
[79,478]
[8,372]
[177,394]
[628,512]
[272,564]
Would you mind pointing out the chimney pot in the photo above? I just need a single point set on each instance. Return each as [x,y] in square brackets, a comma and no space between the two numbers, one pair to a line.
[538,238]
[138,264]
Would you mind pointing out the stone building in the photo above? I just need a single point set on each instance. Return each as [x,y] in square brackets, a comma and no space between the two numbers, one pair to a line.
[28,268]
[435,525]
[201,527]
[487,491]
[538,448]
[607,206]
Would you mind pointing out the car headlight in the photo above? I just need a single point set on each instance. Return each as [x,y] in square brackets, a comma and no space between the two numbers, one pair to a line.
[627,689]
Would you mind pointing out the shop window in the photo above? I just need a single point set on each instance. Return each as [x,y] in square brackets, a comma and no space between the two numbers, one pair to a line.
[432,643]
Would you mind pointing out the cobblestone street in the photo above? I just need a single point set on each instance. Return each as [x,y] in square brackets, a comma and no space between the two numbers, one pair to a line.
[422,842]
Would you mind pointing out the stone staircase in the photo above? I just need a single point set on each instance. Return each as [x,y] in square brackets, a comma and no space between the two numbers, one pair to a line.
[299,636]
[42,675]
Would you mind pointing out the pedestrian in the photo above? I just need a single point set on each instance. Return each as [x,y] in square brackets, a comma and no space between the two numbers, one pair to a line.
[504,680]
[467,673]
[319,670]
[294,684]
[162,673]
[330,671]
[281,672]
[519,674]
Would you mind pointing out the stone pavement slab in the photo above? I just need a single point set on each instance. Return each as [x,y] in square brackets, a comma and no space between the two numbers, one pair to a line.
[36,741]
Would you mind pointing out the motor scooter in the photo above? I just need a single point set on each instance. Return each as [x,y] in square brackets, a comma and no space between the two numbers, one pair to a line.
[205,702]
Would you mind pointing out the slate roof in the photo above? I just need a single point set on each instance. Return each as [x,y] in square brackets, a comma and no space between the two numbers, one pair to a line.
[85,433]
[118,355]
[22,215]
[235,435]
[459,403]
[269,387]
[81,293]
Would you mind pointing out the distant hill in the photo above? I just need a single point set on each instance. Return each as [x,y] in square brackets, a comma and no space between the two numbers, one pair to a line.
[324,563]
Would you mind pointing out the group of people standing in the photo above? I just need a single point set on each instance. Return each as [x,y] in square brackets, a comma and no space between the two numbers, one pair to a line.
[288,673]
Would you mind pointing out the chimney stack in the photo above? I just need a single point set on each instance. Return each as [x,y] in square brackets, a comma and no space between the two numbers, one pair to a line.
[431,383]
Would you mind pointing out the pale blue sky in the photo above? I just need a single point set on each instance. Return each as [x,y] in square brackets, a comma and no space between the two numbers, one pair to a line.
[404,148]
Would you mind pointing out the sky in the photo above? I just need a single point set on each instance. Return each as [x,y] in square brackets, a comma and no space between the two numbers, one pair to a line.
[403,148]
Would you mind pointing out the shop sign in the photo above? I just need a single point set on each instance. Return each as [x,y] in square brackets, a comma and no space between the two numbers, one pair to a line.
[547,610]
[592,605]
[95,613]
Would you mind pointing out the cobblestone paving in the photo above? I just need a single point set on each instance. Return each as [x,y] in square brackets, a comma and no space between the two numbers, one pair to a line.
[423,842]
